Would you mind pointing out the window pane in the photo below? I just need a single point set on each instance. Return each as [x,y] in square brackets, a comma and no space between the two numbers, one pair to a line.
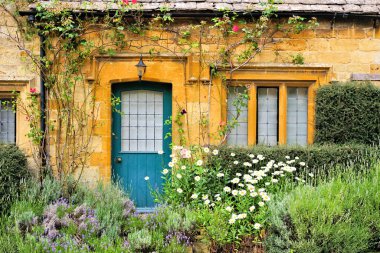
[142,120]
[267,127]
[7,122]
[296,118]
[239,134]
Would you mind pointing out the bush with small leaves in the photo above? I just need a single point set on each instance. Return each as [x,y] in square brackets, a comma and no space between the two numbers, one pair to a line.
[13,172]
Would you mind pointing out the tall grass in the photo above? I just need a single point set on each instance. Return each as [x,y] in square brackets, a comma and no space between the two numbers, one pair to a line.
[341,214]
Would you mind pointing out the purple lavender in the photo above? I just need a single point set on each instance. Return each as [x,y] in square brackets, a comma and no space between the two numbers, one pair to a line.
[180,236]
[129,208]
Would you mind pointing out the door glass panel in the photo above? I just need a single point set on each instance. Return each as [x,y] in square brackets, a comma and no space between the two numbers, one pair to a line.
[296,119]
[239,134]
[7,122]
[142,120]
[267,106]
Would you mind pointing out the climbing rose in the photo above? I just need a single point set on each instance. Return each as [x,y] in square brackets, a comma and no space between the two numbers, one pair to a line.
[235,28]
[33,90]
[127,1]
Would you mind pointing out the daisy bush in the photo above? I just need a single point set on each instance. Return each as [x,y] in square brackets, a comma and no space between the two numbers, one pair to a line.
[240,197]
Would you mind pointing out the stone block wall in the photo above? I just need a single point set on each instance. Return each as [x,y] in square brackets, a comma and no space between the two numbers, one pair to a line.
[17,74]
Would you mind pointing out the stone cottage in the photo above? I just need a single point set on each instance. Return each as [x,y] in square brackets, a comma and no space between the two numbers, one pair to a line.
[280,81]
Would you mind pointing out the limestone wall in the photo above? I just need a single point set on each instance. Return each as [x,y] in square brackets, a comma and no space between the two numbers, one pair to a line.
[332,52]
[17,74]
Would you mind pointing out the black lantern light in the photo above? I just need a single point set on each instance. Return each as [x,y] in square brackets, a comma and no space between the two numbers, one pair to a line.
[141,67]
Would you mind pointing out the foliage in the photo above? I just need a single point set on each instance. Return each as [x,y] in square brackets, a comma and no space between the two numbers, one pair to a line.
[235,200]
[298,59]
[348,112]
[321,160]
[102,219]
[13,172]
[337,216]
[111,205]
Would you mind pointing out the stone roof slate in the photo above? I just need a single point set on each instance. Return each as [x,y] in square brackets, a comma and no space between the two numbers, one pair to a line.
[358,7]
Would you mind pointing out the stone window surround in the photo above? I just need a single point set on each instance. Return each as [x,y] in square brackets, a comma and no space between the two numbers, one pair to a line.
[281,76]
[7,88]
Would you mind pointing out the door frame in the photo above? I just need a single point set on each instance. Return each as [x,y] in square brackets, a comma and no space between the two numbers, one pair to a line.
[116,90]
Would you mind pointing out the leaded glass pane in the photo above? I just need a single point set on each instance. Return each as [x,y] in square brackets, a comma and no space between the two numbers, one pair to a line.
[142,120]
[239,134]
[7,122]
[296,119]
[267,107]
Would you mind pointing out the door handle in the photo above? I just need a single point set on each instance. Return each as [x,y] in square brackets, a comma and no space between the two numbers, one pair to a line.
[118,159]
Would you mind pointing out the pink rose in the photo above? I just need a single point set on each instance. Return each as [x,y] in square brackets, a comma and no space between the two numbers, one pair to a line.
[235,28]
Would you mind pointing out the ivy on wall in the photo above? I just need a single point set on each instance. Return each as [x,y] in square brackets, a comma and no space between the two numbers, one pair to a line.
[348,113]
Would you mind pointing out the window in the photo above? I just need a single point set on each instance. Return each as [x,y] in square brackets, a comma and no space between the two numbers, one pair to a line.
[239,134]
[267,116]
[296,116]
[142,120]
[277,114]
[7,122]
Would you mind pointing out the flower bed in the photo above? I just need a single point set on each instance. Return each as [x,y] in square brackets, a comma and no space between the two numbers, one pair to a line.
[99,220]
[232,205]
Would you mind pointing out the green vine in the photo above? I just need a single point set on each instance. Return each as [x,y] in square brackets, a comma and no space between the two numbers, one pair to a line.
[72,39]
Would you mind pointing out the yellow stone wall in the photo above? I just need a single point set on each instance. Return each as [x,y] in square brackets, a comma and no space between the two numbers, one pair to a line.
[16,74]
[332,53]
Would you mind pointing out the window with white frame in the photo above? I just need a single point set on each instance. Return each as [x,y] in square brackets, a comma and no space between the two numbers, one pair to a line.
[7,122]
[239,133]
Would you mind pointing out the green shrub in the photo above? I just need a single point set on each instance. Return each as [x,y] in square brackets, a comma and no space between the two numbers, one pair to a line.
[348,112]
[13,172]
[111,204]
[320,159]
[338,216]
[232,201]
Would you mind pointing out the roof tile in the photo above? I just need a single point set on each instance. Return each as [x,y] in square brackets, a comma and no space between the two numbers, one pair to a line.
[306,6]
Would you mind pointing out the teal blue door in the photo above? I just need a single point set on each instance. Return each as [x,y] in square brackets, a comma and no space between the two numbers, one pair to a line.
[138,137]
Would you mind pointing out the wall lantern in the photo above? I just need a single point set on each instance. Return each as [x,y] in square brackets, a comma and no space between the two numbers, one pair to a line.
[141,67]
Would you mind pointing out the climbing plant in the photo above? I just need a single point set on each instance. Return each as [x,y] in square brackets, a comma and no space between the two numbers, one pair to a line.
[71,39]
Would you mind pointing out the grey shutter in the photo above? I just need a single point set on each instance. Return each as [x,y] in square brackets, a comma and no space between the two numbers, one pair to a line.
[296,119]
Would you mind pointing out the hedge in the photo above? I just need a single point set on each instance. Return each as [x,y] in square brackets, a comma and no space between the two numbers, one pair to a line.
[13,172]
[320,159]
[348,112]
